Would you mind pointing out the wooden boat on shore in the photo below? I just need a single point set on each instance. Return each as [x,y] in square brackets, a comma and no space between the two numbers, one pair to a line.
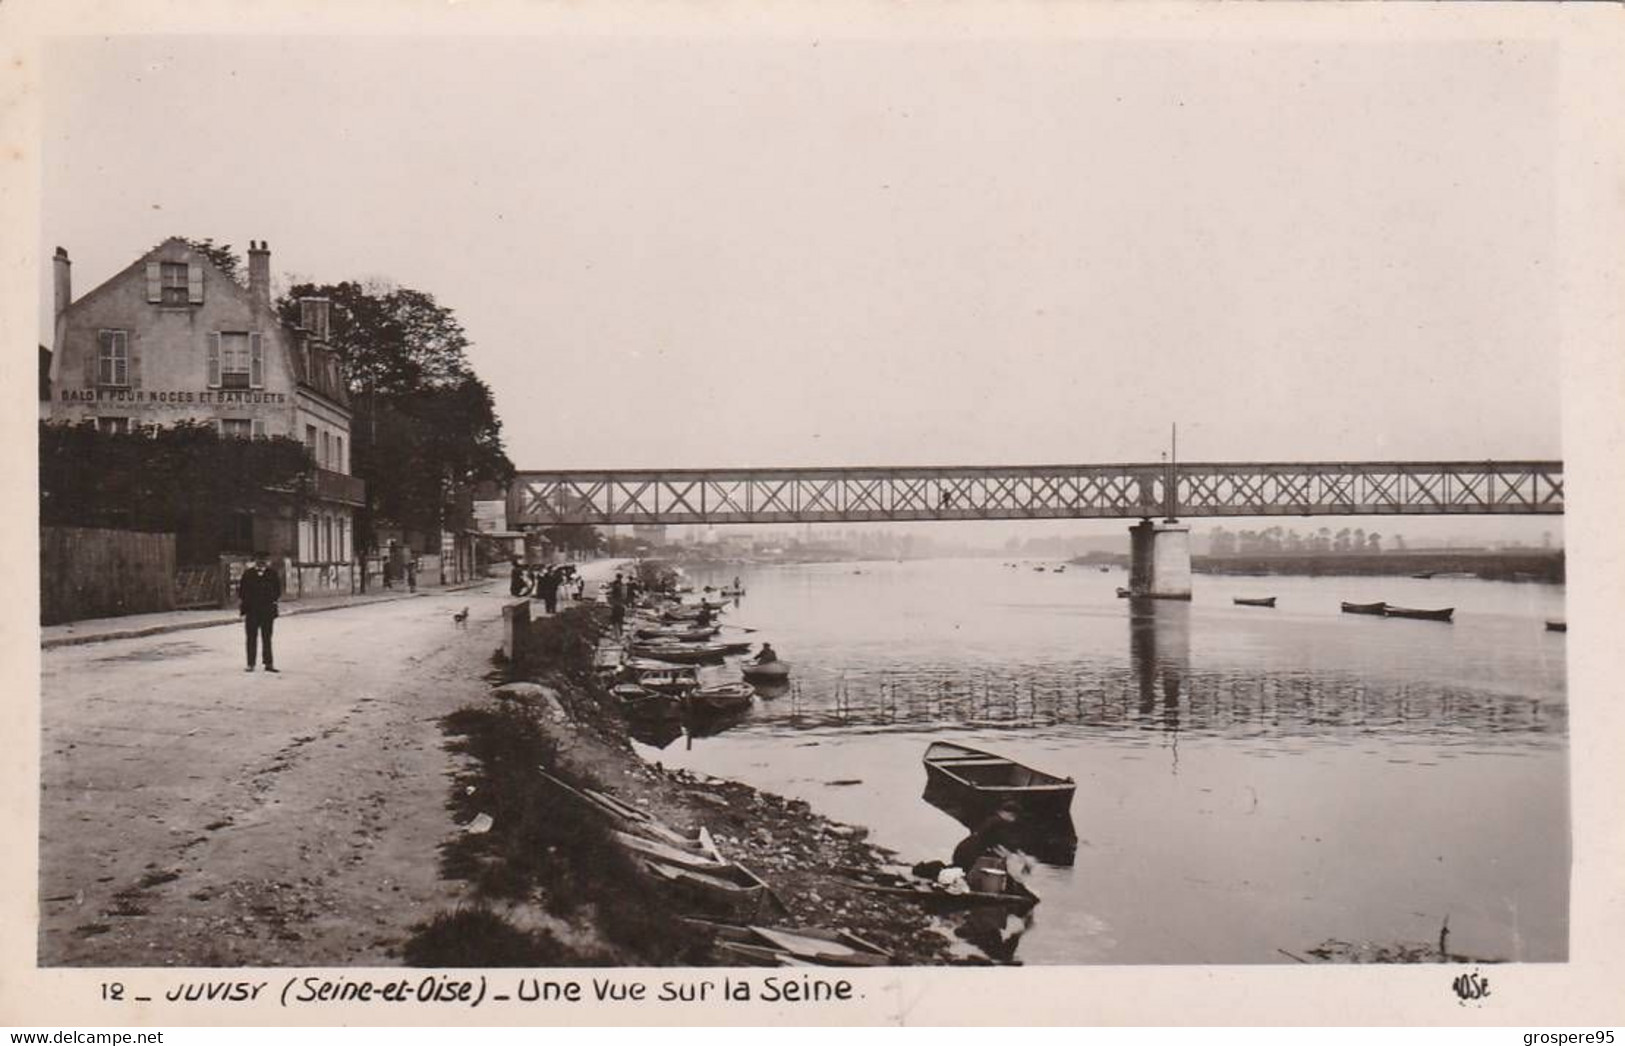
[990,781]
[1015,896]
[1378,609]
[1266,601]
[1420,615]
[772,672]
[720,700]
[731,890]
[1557,626]
[781,946]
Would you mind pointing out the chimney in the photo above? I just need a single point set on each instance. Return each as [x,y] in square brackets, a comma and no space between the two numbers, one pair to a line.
[64,280]
[259,272]
[313,316]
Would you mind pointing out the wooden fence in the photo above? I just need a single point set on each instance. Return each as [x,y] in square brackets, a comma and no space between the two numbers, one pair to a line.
[86,573]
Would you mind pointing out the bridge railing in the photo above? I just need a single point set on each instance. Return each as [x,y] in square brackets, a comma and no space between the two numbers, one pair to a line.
[1034,492]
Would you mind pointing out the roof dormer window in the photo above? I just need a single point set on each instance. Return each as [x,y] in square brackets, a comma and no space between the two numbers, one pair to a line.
[174,283]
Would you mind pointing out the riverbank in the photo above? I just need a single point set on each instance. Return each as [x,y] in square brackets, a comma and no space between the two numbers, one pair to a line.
[549,885]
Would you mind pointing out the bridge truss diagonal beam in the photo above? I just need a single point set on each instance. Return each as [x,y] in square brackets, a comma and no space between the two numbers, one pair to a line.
[1126,491]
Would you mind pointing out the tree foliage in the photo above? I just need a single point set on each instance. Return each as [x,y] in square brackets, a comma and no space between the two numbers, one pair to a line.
[184,479]
[425,427]
[222,255]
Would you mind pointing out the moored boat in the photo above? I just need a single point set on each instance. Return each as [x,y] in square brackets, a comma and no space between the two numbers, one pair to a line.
[1420,615]
[992,781]
[665,678]
[1365,608]
[1557,626]
[1015,895]
[1123,593]
[719,700]
[634,699]
[680,653]
[1266,601]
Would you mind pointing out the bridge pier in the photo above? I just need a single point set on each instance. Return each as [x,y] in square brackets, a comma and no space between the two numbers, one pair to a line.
[1160,567]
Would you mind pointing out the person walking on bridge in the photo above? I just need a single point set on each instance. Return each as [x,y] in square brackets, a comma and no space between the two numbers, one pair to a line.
[257,595]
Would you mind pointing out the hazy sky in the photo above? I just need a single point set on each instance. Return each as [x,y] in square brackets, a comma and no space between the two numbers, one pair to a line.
[832,251]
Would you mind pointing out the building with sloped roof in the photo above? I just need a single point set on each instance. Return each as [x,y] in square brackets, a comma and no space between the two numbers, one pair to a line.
[172,337]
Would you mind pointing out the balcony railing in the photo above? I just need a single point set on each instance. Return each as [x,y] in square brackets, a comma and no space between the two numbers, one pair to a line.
[336,486]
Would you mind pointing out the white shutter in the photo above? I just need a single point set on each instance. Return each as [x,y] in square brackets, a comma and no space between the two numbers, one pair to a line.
[214,359]
[256,361]
[194,283]
[155,282]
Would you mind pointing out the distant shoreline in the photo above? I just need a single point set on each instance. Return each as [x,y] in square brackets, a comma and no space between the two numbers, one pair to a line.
[1535,565]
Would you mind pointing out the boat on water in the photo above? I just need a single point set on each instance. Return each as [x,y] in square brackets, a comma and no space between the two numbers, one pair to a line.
[1059,570]
[1426,575]
[990,781]
[1420,615]
[634,699]
[679,635]
[1015,896]
[680,653]
[665,678]
[1123,593]
[732,593]
[720,700]
[1266,601]
[1557,626]
[1377,609]
[772,672]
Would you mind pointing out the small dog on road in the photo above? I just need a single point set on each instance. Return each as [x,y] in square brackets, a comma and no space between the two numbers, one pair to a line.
[461,618]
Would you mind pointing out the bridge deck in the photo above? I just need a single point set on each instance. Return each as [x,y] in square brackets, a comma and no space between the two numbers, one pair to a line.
[1129,491]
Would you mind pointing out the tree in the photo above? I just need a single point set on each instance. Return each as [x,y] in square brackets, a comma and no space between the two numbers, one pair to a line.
[183,479]
[222,256]
[425,426]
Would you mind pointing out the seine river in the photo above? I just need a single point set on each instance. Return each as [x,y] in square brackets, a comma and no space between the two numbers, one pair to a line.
[1250,781]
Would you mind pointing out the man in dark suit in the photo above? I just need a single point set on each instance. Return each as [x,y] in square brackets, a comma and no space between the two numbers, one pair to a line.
[257,594]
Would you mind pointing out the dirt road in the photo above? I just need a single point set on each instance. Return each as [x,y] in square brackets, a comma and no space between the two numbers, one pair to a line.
[193,814]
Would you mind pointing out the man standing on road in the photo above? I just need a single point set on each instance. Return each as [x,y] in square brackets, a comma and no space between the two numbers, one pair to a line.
[257,594]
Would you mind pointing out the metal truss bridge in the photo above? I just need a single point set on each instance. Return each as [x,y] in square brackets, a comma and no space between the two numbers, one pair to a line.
[831,495]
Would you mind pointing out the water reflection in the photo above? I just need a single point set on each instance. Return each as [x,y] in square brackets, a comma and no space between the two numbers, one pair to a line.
[1051,840]
[1159,655]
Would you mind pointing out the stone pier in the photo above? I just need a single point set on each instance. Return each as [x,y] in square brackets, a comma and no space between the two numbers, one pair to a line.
[1161,564]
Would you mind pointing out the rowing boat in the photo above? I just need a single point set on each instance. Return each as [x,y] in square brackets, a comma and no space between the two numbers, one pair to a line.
[1266,601]
[666,679]
[1419,615]
[1557,626]
[990,781]
[772,672]
[719,700]
[636,700]
[680,653]
[1015,895]
[1365,608]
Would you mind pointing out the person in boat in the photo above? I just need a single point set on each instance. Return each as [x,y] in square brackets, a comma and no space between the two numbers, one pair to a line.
[704,620]
[991,832]
[767,656]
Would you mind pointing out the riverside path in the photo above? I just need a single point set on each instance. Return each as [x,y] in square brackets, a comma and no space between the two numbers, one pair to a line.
[193,814]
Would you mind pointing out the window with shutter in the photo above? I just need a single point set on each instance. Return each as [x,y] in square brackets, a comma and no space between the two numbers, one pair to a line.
[236,428]
[214,360]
